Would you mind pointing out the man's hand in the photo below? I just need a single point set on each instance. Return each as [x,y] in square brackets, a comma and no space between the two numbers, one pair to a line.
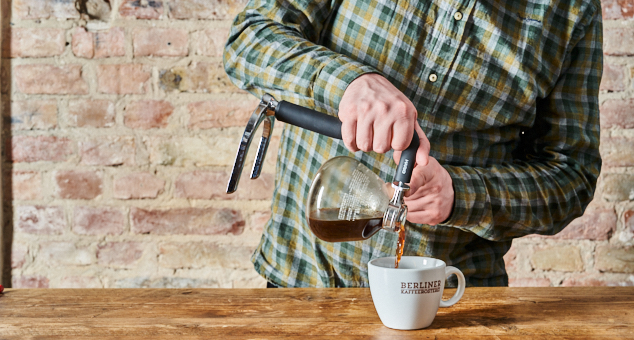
[376,116]
[431,195]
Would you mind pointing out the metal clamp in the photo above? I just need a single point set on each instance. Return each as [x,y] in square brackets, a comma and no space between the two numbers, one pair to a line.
[265,112]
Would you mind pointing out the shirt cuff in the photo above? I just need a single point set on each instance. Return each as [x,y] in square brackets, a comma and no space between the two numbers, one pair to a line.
[334,78]
[470,197]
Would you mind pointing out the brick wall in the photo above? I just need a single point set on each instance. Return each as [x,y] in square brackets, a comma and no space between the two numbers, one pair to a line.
[121,128]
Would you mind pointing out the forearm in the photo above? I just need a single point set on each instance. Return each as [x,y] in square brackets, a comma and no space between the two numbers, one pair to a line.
[272,49]
[504,202]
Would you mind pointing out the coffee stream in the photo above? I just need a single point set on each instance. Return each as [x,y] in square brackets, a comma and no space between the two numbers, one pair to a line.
[326,225]
[400,245]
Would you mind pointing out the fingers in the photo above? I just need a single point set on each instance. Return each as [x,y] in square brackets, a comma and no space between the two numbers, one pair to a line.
[382,137]
[377,116]
[404,131]
[365,133]
[349,134]
[422,154]
[431,196]
[428,210]
[419,178]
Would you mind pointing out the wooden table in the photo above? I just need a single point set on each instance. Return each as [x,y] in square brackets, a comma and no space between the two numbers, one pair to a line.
[483,313]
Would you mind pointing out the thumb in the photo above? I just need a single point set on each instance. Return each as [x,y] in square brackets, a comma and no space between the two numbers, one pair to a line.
[422,154]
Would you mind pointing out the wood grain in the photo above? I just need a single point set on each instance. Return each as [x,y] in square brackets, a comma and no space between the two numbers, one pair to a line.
[483,313]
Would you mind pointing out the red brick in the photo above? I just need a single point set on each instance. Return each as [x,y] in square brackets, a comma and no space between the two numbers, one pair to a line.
[124,78]
[47,220]
[80,282]
[191,78]
[212,185]
[84,185]
[609,258]
[617,151]
[111,151]
[617,187]
[200,150]
[30,281]
[509,259]
[627,8]
[558,258]
[611,10]
[197,77]
[613,79]
[34,42]
[194,221]
[617,9]
[26,185]
[210,42]
[120,254]
[83,44]
[160,42]
[49,79]
[617,113]
[151,9]
[41,148]
[220,113]
[45,9]
[629,221]
[203,254]
[596,224]
[33,114]
[205,9]
[98,221]
[105,44]
[138,185]
[19,251]
[618,41]
[259,219]
[65,254]
[148,114]
[91,113]
[529,282]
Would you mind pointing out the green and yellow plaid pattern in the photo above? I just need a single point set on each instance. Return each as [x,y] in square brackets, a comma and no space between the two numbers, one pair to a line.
[512,115]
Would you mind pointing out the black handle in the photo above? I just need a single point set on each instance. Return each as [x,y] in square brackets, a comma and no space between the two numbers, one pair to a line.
[406,164]
[308,119]
[331,126]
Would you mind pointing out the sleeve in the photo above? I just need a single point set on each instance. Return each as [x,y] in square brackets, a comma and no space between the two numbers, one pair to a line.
[272,48]
[553,176]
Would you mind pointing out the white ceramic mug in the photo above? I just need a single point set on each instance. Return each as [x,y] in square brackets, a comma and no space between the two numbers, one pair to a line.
[409,297]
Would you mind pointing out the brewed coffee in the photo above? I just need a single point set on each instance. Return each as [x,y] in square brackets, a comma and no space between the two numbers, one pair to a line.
[326,225]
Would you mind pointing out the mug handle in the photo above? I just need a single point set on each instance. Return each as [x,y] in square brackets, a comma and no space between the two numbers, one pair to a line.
[461,284]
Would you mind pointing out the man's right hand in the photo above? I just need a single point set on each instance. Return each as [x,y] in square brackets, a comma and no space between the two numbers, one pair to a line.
[377,117]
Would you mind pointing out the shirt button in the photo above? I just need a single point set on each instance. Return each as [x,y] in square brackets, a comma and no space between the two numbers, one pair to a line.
[457,16]
[433,77]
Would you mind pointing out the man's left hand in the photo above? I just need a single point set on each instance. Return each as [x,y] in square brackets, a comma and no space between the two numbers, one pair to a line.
[431,195]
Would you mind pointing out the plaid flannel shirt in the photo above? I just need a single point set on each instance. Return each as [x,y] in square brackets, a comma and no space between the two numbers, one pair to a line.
[506,92]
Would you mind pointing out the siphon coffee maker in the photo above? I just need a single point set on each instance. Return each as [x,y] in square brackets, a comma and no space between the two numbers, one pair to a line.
[346,201]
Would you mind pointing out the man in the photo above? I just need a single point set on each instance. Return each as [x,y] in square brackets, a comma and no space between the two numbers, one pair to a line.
[504,95]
